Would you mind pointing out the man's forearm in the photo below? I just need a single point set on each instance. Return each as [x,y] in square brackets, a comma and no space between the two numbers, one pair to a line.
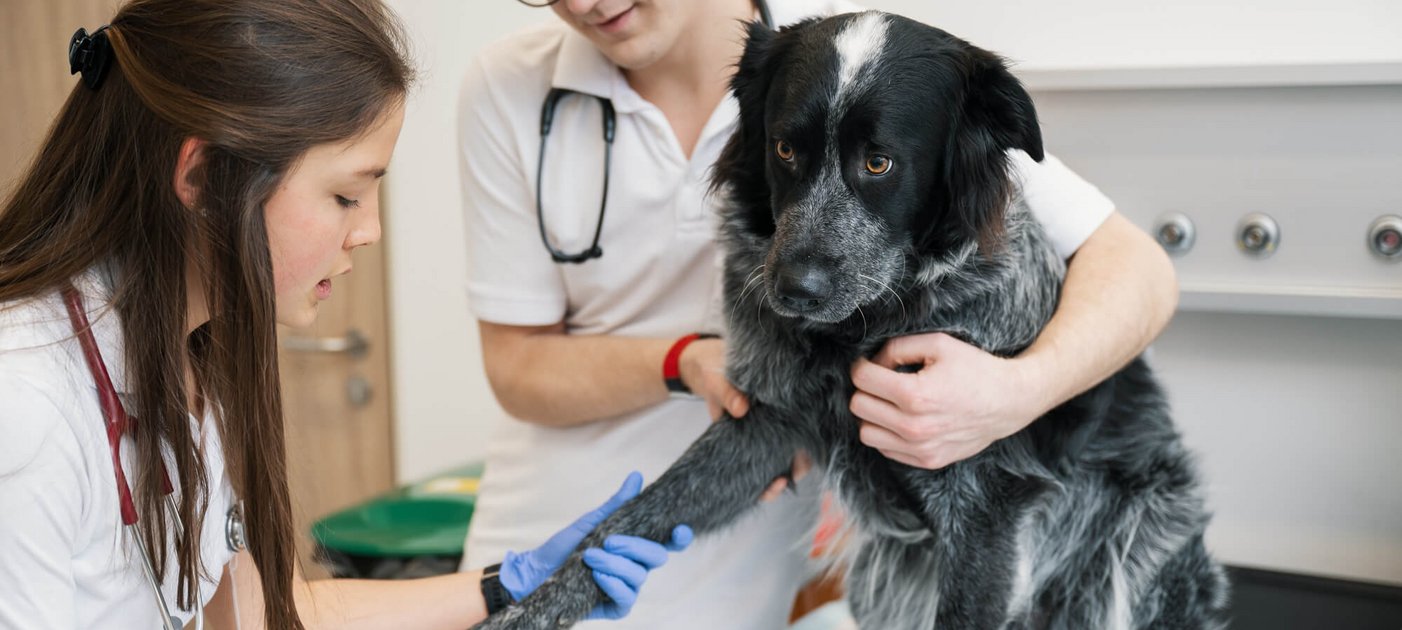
[1119,294]
[557,379]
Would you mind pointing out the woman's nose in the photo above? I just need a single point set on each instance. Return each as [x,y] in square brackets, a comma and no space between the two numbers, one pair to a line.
[367,230]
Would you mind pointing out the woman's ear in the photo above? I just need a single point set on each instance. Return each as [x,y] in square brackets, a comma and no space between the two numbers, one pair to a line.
[189,171]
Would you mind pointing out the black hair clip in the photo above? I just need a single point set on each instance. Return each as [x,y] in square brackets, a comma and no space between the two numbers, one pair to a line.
[90,55]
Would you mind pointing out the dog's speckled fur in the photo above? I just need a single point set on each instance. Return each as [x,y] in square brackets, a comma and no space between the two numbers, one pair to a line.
[1089,518]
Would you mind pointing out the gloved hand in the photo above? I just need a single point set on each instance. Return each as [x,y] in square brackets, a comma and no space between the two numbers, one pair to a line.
[620,567]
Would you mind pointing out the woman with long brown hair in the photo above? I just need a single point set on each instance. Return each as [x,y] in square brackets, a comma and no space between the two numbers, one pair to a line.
[205,180]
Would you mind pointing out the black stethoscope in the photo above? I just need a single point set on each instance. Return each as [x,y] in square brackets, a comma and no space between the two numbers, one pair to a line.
[547,119]
[115,417]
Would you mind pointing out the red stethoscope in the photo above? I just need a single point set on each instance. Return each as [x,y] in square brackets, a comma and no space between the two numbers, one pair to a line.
[114,415]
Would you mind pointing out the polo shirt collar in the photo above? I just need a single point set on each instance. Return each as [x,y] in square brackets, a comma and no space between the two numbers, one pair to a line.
[581,67]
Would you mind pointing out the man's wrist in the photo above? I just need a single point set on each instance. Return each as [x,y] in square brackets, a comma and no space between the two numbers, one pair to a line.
[673,363]
[1031,376]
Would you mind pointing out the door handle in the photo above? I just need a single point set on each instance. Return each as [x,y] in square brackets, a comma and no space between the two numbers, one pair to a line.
[353,344]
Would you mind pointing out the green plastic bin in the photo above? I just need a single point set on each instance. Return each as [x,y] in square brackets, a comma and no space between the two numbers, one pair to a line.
[416,530]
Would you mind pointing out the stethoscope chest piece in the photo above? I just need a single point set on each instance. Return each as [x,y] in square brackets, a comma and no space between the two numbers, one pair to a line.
[234,533]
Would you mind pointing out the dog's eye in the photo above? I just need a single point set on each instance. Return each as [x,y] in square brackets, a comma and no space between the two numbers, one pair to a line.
[878,164]
[783,150]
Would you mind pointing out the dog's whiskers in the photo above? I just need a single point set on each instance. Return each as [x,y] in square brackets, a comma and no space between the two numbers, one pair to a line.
[887,288]
[750,282]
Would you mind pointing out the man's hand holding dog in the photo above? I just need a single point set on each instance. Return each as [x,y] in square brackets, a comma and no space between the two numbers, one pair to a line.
[703,370]
[961,400]
[702,366]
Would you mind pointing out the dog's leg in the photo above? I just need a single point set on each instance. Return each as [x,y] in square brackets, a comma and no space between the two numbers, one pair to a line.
[719,478]
[894,584]
[1190,592]
[897,585]
[963,572]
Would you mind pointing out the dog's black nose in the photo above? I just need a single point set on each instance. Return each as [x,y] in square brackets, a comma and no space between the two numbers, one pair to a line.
[803,287]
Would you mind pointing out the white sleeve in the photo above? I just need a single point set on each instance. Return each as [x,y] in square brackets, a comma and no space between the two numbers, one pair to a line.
[41,503]
[1068,207]
[511,279]
[844,6]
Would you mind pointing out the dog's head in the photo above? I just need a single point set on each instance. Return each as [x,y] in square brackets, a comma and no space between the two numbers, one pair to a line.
[867,142]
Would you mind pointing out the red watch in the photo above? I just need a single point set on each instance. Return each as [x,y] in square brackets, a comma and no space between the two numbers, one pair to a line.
[671,368]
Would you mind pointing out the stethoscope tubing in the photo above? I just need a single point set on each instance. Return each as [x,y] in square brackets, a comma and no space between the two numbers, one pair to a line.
[114,417]
[547,120]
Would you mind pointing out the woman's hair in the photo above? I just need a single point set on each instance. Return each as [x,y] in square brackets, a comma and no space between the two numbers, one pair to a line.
[261,82]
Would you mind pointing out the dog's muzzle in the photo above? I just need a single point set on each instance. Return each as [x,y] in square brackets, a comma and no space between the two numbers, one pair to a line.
[804,288]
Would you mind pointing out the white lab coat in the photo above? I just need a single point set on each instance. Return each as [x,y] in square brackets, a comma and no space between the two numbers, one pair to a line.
[65,559]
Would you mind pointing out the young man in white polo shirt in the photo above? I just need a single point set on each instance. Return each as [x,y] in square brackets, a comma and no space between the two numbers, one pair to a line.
[575,351]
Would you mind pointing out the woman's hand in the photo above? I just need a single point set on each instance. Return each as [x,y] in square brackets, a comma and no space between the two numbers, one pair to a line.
[620,567]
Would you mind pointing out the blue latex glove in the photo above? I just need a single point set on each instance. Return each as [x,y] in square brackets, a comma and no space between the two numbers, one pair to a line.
[620,567]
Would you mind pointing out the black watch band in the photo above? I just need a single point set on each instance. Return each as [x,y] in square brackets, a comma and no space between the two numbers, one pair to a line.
[496,595]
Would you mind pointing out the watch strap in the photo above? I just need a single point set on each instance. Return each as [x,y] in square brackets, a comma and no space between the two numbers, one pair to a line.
[671,364]
[495,594]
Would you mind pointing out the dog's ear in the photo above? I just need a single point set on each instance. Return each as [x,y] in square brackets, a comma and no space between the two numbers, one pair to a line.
[740,169]
[995,114]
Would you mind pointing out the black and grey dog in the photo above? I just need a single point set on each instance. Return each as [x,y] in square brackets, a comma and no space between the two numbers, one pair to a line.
[870,196]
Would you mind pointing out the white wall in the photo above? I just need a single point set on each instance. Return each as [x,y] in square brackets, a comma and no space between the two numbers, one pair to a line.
[1298,420]
[443,404]
[1069,34]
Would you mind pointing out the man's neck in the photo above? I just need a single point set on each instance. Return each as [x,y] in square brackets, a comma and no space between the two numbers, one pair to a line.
[694,76]
[703,58]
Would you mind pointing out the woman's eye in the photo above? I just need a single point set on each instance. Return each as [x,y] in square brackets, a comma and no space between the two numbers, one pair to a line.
[878,164]
[347,203]
[783,150]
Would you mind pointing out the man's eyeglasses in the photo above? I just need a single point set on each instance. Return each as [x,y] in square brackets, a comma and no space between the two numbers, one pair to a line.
[537,3]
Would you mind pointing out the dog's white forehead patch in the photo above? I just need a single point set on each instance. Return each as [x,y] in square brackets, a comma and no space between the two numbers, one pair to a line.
[859,43]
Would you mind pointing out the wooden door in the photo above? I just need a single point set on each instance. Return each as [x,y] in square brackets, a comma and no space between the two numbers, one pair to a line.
[336,403]
[34,77]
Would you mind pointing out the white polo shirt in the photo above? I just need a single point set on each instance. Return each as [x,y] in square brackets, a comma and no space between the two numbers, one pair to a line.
[65,559]
[659,277]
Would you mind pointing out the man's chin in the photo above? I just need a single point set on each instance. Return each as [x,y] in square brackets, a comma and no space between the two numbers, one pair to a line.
[638,49]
